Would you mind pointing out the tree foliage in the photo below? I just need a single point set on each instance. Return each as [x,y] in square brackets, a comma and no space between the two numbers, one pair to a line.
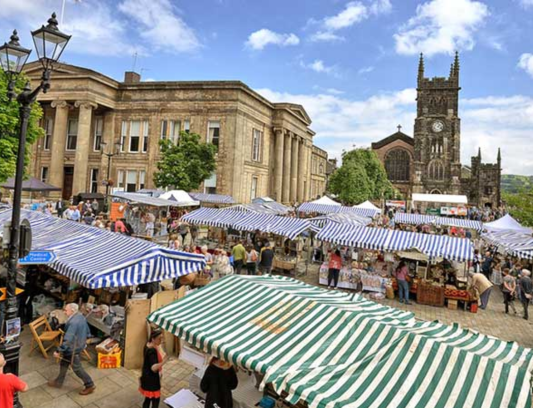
[361,177]
[520,206]
[9,129]
[185,165]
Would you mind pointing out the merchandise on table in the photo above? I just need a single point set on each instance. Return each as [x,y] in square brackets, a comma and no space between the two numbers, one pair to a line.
[350,278]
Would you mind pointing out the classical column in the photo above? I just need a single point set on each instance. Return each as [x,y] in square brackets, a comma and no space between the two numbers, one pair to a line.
[278,182]
[83,143]
[287,168]
[307,171]
[294,169]
[59,136]
[301,171]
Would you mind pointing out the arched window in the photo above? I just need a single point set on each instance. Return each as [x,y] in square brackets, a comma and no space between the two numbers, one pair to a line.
[321,169]
[398,165]
[436,170]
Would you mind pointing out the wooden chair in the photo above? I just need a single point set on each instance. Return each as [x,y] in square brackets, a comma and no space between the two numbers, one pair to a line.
[42,332]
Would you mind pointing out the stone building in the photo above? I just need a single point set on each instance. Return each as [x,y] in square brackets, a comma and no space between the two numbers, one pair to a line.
[430,162]
[319,161]
[264,148]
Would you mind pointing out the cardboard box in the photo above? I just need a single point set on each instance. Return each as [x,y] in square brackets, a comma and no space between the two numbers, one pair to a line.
[452,304]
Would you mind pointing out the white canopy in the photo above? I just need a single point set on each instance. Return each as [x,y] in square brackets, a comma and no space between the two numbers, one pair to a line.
[367,204]
[325,201]
[441,198]
[506,223]
[143,199]
[179,198]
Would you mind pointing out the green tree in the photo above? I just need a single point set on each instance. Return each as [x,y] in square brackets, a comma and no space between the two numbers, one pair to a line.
[9,128]
[361,177]
[520,206]
[185,165]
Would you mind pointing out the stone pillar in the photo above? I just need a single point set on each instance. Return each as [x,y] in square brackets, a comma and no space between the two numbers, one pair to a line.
[287,168]
[294,169]
[278,182]
[59,136]
[301,171]
[307,167]
[110,138]
[83,143]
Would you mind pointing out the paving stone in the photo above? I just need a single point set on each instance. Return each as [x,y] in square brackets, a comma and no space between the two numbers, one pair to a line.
[126,397]
[61,402]
[104,389]
[33,379]
[34,398]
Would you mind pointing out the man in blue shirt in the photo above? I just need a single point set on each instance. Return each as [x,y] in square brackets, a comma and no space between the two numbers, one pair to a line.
[75,214]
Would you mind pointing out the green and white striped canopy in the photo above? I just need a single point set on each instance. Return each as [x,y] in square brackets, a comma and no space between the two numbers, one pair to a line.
[333,350]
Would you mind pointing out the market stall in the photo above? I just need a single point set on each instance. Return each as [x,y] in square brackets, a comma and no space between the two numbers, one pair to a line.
[321,348]
[97,266]
[419,219]
[217,199]
[331,209]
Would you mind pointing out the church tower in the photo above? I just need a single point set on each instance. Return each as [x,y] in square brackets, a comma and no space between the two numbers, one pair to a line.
[437,133]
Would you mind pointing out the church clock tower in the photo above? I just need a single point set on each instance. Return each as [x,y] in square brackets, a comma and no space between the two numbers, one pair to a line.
[437,133]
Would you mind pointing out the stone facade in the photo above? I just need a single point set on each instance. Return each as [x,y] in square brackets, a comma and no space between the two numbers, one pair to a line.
[430,162]
[319,177]
[264,148]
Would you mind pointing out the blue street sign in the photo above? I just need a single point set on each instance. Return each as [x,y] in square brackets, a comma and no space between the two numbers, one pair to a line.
[38,257]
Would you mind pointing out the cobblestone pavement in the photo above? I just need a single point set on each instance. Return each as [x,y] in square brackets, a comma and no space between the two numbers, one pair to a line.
[118,388]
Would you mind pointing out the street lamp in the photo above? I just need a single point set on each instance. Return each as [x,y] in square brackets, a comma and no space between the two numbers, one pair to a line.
[109,155]
[50,43]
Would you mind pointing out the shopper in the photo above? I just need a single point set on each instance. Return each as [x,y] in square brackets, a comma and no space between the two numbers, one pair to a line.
[266,259]
[251,260]
[239,257]
[334,268]
[95,206]
[486,266]
[9,385]
[402,276]
[483,285]
[508,290]
[174,242]
[74,342]
[526,291]
[218,381]
[154,360]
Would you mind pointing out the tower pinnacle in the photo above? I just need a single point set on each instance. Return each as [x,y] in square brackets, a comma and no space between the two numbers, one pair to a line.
[421,68]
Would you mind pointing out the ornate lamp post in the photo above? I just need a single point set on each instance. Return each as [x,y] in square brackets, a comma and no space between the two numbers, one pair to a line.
[109,155]
[49,43]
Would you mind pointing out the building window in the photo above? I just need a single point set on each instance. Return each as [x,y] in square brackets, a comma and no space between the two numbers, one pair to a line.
[488,190]
[142,176]
[256,145]
[131,181]
[321,168]
[253,190]
[98,132]
[436,170]
[48,131]
[120,180]
[213,132]
[164,127]
[210,184]
[145,136]
[170,129]
[44,174]
[72,134]
[94,180]
[187,126]
[397,165]
[123,136]
[135,136]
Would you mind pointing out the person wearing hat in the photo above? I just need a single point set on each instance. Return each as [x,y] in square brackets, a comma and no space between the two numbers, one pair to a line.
[526,290]
[483,285]
[154,360]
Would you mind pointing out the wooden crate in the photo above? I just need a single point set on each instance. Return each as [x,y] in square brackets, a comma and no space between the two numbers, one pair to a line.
[430,295]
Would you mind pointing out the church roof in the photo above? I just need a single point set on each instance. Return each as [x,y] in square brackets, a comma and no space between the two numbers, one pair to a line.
[399,135]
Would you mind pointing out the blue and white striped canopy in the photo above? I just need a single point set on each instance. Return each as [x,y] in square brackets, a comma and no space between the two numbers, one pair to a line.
[420,219]
[98,258]
[213,198]
[342,218]
[434,246]
[511,242]
[273,208]
[248,221]
[332,209]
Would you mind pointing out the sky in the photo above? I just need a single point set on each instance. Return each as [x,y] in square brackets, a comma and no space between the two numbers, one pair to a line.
[351,64]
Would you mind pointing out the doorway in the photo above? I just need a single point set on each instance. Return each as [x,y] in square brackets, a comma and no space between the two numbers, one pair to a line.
[68,178]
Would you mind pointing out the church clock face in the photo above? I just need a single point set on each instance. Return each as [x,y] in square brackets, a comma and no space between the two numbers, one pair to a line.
[437,126]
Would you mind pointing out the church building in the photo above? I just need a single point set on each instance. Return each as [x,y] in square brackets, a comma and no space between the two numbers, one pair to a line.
[430,161]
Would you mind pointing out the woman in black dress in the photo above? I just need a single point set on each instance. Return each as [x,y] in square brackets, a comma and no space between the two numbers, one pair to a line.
[218,381]
[154,359]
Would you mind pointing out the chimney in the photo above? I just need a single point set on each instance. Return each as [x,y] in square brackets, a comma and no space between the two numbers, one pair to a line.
[131,77]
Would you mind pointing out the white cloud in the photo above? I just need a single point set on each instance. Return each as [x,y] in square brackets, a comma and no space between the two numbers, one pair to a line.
[526,3]
[442,26]
[353,13]
[488,122]
[160,25]
[526,63]
[318,66]
[365,70]
[261,38]
[334,91]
